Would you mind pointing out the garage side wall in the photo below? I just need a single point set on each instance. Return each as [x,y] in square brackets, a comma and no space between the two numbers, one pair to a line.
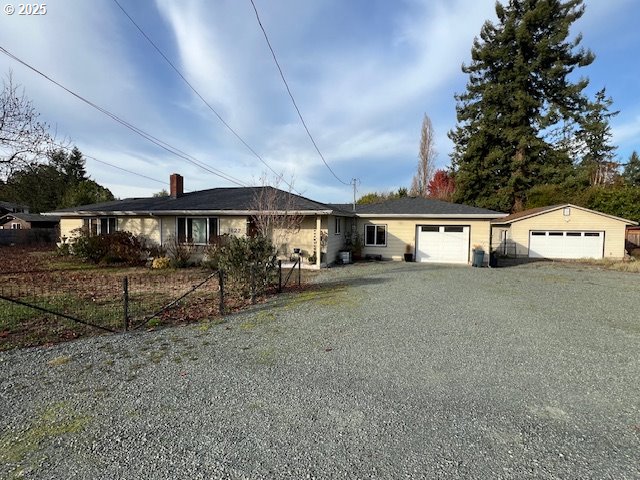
[578,220]
[402,232]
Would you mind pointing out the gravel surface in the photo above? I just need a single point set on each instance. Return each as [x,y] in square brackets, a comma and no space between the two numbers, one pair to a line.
[387,370]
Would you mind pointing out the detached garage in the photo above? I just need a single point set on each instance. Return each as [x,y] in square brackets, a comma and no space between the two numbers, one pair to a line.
[560,232]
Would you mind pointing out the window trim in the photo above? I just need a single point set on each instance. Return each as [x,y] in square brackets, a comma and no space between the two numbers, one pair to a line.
[338,226]
[97,221]
[375,235]
[207,229]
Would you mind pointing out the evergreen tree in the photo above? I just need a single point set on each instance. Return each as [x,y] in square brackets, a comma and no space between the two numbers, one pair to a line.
[631,172]
[518,92]
[594,137]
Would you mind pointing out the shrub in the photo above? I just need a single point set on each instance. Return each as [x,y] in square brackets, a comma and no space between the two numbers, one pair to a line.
[248,262]
[160,263]
[179,252]
[117,247]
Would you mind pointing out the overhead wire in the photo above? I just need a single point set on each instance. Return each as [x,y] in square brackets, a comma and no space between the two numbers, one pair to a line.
[156,141]
[279,176]
[293,100]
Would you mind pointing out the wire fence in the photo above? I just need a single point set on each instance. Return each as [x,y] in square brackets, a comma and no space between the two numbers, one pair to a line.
[39,308]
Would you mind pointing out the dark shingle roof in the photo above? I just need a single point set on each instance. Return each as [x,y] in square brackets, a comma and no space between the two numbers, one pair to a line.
[423,206]
[215,199]
[30,217]
[526,213]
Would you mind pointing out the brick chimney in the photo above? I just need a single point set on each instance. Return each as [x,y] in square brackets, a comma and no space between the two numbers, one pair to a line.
[176,185]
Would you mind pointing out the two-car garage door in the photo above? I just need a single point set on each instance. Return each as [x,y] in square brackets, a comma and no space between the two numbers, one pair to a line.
[442,244]
[565,244]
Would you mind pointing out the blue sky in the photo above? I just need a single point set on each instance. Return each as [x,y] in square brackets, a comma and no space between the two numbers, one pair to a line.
[363,72]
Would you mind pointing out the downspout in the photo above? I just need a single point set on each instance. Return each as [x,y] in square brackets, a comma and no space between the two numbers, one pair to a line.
[318,240]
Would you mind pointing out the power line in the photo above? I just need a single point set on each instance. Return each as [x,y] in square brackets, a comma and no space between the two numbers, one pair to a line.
[293,100]
[222,120]
[156,141]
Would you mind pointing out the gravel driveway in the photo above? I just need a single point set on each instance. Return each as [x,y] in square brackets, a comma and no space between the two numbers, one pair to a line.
[388,370]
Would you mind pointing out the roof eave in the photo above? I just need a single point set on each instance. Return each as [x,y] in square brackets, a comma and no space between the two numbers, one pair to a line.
[481,216]
[172,213]
[558,207]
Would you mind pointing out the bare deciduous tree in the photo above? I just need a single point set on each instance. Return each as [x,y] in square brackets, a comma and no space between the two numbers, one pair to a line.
[426,162]
[23,138]
[275,214]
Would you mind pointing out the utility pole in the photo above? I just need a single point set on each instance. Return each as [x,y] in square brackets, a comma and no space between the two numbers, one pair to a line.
[354,182]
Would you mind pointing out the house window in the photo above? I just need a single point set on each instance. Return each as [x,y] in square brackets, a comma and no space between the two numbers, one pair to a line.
[16,226]
[101,226]
[197,230]
[338,225]
[375,235]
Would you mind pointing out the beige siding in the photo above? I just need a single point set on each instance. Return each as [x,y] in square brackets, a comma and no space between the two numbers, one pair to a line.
[146,227]
[578,220]
[402,232]
[68,225]
[335,241]
[236,226]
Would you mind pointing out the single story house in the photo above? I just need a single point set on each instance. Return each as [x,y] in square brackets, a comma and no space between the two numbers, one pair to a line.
[562,231]
[198,217]
[26,221]
[431,230]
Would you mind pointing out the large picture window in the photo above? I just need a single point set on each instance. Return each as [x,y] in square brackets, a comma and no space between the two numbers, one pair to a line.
[197,230]
[375,235]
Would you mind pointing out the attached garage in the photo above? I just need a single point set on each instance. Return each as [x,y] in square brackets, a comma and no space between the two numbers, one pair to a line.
[442,243]
[560,232]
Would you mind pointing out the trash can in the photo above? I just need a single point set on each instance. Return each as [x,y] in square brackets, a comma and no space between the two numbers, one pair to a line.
[478,258]
[493,259]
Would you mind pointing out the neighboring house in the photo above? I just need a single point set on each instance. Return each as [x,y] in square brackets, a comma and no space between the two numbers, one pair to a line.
[26,221]
[27,228]
[199,217]
[8,207]
[431,230]
[560,232]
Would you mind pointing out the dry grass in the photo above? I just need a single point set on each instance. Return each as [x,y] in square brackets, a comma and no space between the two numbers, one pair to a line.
[630,265]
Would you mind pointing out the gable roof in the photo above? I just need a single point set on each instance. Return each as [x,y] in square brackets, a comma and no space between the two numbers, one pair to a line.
[13,206]
[425,208]
[532,212]
[243,200]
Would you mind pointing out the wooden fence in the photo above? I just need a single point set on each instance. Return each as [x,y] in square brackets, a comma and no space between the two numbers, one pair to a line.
[28,236]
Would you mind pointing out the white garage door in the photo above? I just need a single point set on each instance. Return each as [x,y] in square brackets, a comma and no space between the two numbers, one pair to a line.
[563,244]
[442,244]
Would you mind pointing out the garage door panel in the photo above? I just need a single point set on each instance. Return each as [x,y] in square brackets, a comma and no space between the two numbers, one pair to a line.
[442,244]
[565,244]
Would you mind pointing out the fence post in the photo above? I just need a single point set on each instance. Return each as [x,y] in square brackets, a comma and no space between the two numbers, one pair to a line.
[221,282]
[125,298]
[253,284]
[299,268]
[279,276]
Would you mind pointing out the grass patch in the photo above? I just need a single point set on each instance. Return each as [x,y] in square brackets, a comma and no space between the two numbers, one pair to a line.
[56,362]
[258,319]
[20,449]
[339,296]
[631,266]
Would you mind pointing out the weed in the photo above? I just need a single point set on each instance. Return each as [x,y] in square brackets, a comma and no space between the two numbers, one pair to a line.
[259,318]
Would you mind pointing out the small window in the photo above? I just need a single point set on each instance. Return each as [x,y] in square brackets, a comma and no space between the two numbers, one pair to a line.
[338,227]
[592,234]
[556,234]
[538,234]
[16,226]
[430,228]
[107,225]
[574,234]
[375,235]
[454,229]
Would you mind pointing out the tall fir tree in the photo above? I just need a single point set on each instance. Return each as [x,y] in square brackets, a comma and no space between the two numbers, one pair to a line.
[594,138]
[518,91]
[631,173]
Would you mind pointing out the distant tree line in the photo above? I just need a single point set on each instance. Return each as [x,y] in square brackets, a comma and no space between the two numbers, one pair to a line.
[35,170]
